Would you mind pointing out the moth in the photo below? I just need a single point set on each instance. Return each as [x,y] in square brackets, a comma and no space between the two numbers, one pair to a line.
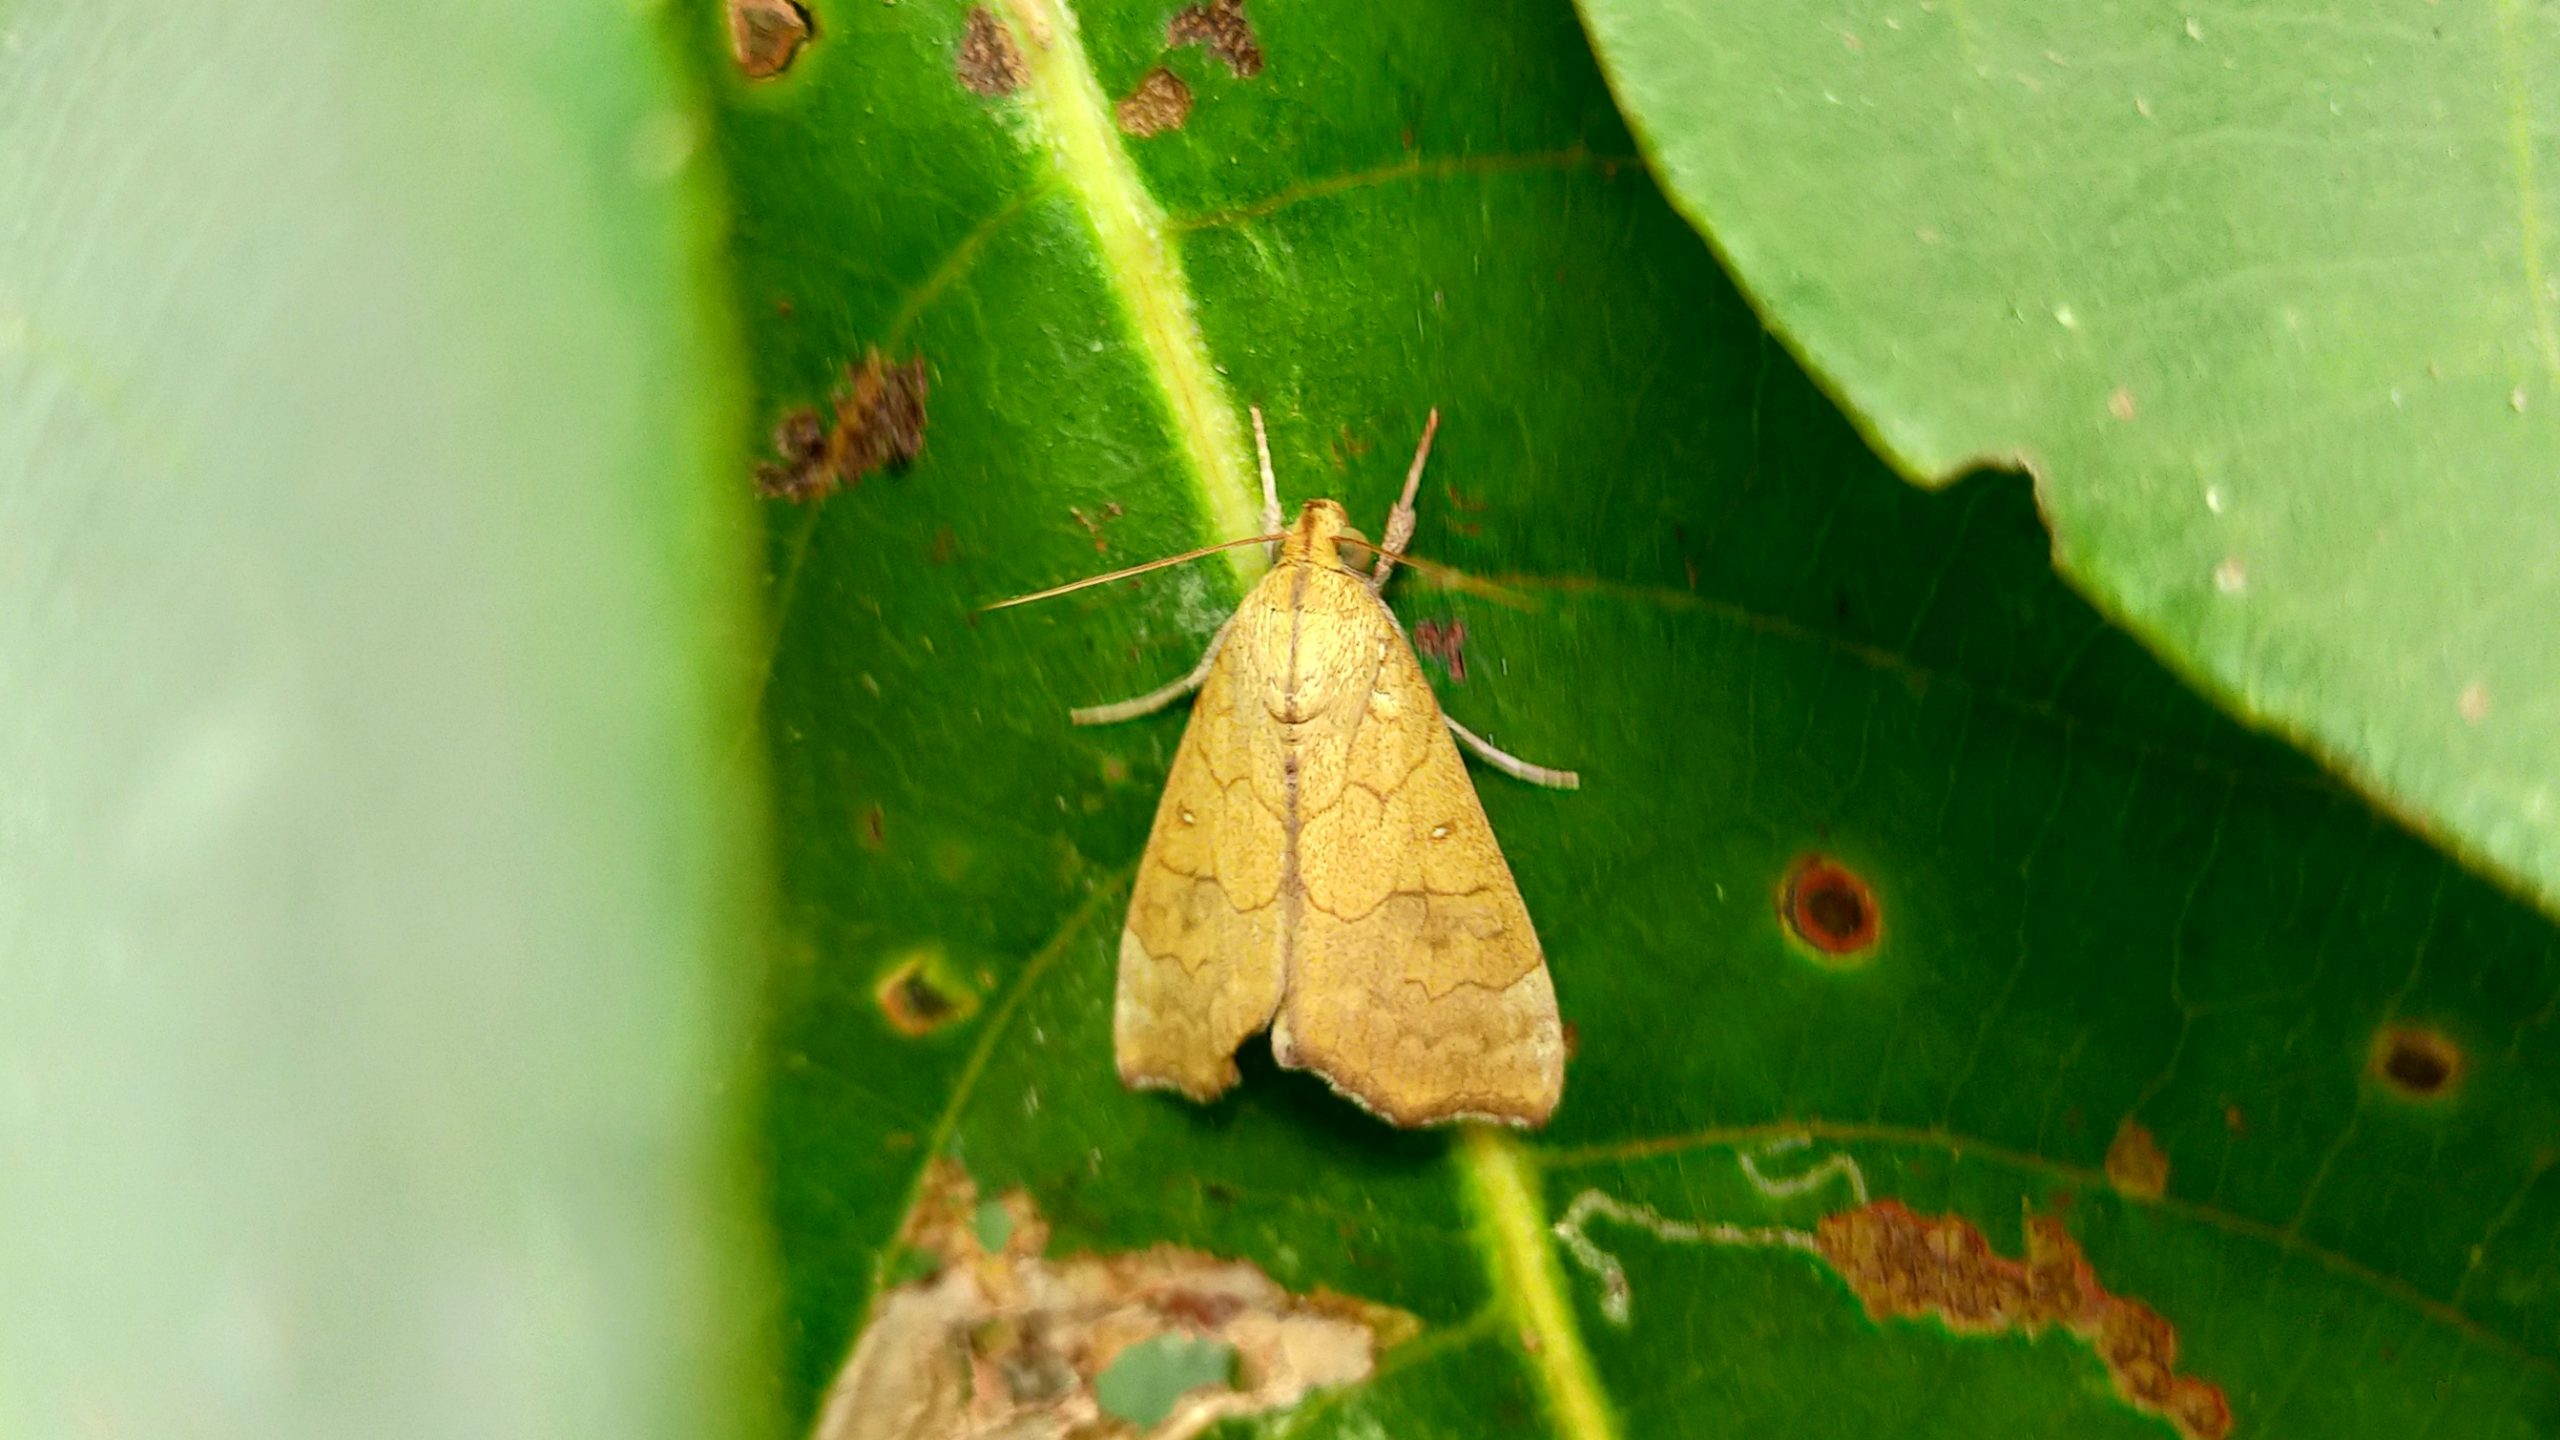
[1320,865]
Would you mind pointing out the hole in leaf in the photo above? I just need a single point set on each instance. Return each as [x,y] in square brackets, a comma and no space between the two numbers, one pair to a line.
[1828,907]
[920,994]
[2416,1062]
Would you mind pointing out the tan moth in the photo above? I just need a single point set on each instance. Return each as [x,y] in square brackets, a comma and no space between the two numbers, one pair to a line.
[1320,864]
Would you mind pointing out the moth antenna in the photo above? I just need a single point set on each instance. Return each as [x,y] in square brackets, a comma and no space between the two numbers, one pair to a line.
[1074,585]
[1270,487]
[1400,519]
[1449,576]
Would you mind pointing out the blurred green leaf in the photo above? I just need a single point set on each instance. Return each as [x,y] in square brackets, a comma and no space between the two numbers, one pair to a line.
[2264,296]
[1141,1383]
[375,882]
[2100,900]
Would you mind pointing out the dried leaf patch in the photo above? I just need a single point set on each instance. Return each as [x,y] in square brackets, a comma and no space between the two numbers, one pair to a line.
[988,63]
[1220,28]
[1906,1265]
[878,424]
[1000,1341]
[1160,103]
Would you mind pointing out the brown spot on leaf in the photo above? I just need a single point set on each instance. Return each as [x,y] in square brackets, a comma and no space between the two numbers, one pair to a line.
[919,994]
[1446,642]
[879,420]
[1828,907]
[1344,447]
[1160,103]
[988,63]
[1908,1266]
[2136,1166]
[2234,1120]
[1093,524]
[1006,1342]
[2473,703]
[2419,1063]
[1221,29]
[2120,404]
[874,833]
[765,36]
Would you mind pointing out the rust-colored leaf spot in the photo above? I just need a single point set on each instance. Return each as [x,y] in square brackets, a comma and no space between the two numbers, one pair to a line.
[919,994]
[2419,1063]
[990,1338]
[874,834]
[1160,103]
[1093,524]
[1446,642]
[1908,1266]
[1828,907]
[988,62]
[1220,28]
[2136,1165]
[879,421]
[765,36]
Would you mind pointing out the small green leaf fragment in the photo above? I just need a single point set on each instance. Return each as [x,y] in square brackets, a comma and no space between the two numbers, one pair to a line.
[994,1225]
[1142,1383]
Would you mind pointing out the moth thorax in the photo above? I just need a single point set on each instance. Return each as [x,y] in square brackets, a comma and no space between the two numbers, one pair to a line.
[1321,523]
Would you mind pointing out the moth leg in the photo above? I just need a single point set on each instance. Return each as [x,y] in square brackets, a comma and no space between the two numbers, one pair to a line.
[1510,764]
[1400,519]
[1155,700]
[1270,486]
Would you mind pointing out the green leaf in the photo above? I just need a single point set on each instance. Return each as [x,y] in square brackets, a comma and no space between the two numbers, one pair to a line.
[2100,901]
[2265,299]
[1141,1383]
[379,887]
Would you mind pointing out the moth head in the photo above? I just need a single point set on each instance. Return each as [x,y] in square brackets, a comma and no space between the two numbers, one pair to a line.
[1311,541]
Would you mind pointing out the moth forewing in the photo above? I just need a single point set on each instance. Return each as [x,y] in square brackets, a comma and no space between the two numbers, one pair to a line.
[1320,864]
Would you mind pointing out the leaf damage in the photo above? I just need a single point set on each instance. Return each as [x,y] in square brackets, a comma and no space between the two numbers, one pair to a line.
[1446,642]
[1220,28]
[920,994]
[988,63]
[1905,1265]
[2136,1165]
[878,424]
[765,36]
[2416,1062]
[1160,103]
[1831,908]
[997,1340]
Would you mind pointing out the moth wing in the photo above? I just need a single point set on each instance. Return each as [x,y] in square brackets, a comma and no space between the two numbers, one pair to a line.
[1416,985]
[1200,957]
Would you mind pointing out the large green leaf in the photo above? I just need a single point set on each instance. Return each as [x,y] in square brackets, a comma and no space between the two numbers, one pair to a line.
[375,935]
[2263,296]
[2101,900]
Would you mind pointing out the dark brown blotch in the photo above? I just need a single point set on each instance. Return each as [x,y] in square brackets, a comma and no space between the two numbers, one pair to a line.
[919,995]
[1446,642]
[1827,906]
[878,424]
[2416,1062]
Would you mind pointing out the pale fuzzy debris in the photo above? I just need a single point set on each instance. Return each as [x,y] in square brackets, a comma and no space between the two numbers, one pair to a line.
[1320,865]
